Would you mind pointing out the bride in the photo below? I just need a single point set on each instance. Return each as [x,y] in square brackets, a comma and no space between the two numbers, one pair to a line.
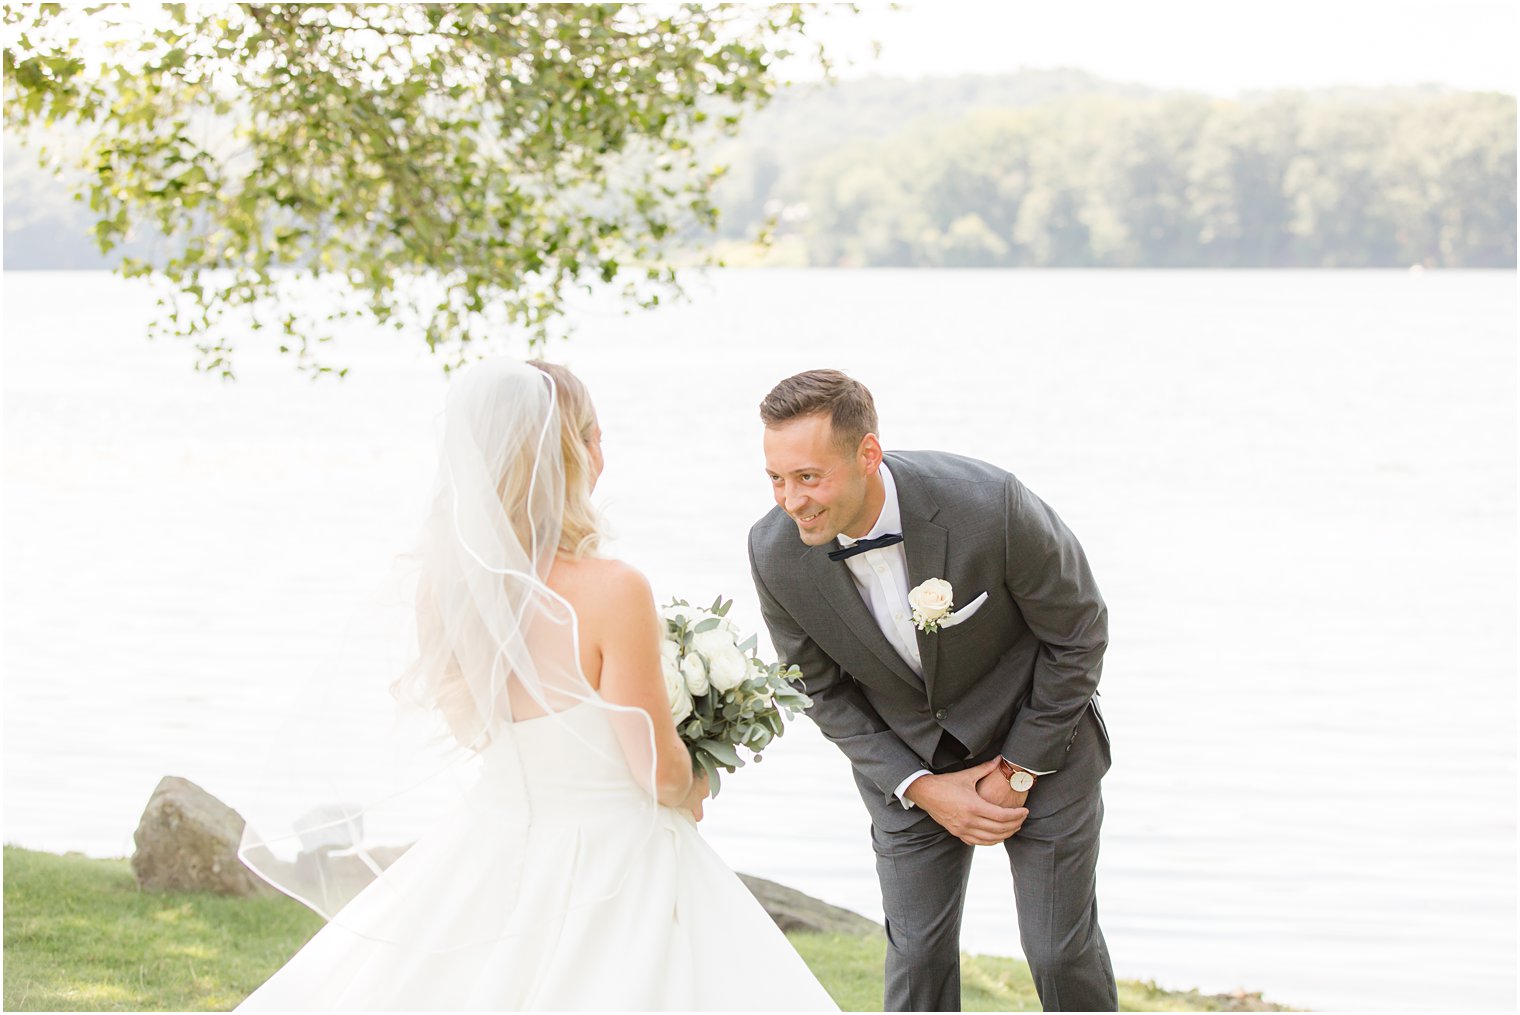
[571,874]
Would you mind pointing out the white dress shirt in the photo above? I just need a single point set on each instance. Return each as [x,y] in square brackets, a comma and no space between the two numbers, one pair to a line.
[881,575]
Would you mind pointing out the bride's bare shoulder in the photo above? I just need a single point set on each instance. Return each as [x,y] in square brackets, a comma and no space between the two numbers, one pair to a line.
[601,583]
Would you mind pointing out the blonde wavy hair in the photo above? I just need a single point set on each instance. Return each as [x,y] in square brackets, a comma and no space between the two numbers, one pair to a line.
[580,532]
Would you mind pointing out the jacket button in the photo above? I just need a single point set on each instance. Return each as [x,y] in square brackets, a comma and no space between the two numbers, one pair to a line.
[940,713]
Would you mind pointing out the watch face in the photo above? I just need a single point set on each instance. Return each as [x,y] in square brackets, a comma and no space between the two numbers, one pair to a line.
[1020,782]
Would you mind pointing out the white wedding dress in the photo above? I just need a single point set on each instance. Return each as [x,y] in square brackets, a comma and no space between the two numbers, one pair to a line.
[605,917]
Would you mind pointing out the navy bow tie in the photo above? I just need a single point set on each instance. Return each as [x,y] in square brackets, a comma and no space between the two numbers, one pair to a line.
[863,545]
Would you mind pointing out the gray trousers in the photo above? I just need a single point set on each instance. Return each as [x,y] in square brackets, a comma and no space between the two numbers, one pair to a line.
[924,871]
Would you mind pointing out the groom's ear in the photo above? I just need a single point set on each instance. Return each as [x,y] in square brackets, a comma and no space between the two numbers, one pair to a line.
[870,453]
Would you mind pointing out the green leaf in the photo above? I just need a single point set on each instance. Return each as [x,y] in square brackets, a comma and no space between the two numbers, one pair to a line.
[722,752]
[714,780]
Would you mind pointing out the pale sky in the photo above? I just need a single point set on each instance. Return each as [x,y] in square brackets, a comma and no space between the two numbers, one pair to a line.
[1219,46]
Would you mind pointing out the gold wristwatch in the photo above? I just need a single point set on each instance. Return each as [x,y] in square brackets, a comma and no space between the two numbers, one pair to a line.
[1019,780]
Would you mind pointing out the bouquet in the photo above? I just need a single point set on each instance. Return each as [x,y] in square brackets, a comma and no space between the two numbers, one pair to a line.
[722,696]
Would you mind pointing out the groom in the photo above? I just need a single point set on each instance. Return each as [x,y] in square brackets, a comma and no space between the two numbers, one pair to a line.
[969,726]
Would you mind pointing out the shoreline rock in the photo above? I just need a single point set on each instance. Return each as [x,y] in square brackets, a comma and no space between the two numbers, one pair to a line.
[797,911]
[187,841]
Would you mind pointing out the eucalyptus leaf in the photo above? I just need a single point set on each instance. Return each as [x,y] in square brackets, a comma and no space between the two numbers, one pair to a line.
[714,780]
[722,752]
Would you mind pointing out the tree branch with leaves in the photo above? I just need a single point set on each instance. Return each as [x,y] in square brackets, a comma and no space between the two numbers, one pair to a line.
[457,169]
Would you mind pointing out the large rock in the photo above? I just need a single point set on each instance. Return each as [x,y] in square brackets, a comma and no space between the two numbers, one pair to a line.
[792,910]
[187,841]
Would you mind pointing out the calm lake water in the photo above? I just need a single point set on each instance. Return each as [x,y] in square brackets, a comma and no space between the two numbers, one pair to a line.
[1297,491]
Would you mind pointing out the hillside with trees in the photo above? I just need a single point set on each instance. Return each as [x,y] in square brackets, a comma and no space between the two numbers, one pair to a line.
[1057,168]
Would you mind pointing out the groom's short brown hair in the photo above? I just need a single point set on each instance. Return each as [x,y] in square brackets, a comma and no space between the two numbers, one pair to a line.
[847,403]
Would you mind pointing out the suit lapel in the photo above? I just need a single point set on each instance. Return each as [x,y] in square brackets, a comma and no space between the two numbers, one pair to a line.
[837,588]
[927,547]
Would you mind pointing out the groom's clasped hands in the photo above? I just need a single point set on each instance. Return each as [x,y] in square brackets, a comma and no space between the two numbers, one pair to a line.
[976,805]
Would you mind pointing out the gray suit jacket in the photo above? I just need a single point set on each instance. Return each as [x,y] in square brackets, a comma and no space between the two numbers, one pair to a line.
[1018,673]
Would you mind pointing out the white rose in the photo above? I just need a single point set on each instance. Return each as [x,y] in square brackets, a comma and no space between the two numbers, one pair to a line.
[695,673]
[728,670]
[727,667]
[714,641]
[933,599]
[675,689]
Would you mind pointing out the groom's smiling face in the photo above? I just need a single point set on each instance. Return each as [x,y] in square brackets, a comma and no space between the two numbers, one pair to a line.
[826,488]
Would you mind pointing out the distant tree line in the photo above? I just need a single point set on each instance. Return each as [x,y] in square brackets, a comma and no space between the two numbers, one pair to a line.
[1116,179]
[1059,168]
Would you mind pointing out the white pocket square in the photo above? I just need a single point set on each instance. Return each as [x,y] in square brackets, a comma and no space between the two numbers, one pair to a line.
[964,613]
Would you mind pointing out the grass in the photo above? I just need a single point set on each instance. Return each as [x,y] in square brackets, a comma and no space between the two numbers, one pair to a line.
[850,967]
[79,935]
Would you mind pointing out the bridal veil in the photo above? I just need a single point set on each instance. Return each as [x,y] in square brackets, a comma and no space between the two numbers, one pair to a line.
[424,693]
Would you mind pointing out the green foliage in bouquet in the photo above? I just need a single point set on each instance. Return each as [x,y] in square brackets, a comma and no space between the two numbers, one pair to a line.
[723,696]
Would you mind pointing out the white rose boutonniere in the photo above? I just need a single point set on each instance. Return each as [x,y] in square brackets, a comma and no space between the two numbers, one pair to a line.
[931,604]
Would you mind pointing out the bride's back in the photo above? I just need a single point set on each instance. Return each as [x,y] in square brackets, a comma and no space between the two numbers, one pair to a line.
[603,593]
